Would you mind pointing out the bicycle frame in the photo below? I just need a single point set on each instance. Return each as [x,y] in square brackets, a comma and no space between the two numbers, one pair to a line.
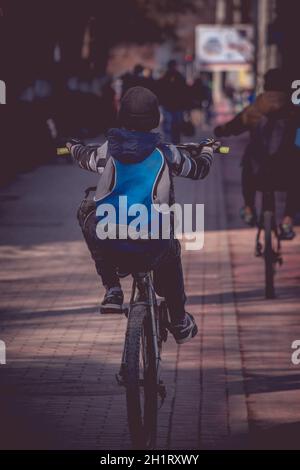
[272,256]
[268,206]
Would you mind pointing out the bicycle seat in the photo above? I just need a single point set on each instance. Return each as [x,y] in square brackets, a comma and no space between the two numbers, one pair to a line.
[124,273]
[140,275]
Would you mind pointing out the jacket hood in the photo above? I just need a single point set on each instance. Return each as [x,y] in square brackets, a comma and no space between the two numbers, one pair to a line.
[131,146]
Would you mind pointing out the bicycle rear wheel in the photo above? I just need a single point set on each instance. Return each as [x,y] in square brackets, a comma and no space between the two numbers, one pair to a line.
[141,379]
[269,256]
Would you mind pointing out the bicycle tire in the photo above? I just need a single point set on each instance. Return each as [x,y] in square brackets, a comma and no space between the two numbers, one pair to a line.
[141,414]
[268,256]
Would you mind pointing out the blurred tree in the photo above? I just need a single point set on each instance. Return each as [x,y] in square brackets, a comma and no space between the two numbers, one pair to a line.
[134,21]
[37,28]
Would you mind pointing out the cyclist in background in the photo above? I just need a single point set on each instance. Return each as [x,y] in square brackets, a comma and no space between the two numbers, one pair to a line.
[272,105]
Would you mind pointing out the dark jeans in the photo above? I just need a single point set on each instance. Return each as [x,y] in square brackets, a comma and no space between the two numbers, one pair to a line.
[248,187]
[161,257]
[250,184]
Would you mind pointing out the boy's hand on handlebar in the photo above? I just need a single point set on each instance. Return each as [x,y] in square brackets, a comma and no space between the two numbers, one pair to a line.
[72,142]
[211,143]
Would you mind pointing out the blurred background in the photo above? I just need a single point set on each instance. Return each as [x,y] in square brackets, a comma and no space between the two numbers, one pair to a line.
[66,64]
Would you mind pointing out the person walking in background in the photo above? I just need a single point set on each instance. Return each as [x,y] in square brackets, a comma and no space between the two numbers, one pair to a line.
[173,97]
[109,104]
[201,94]
[207,99]
[140,76]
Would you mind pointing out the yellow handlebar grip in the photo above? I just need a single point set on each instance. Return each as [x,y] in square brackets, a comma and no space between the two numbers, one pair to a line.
[224,150]
[62,151]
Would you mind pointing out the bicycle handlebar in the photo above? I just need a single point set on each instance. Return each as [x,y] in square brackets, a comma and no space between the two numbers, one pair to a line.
[224,150]
[62,151]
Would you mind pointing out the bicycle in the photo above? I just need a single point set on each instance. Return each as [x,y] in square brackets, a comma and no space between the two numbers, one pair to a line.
[147,330]
[140,369]
[271,251]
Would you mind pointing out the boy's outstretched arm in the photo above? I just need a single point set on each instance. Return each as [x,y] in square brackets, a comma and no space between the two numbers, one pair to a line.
[89,157]
[188,164]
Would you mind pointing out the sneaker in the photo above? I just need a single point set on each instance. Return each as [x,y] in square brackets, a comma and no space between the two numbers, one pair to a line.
[248,215]
[113,301]
[184,331]
[286,232]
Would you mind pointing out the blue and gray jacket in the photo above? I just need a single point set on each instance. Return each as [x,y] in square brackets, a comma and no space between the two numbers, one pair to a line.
[126,147]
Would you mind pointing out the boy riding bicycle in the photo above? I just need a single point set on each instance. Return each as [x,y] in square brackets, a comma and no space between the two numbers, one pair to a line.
[133,162]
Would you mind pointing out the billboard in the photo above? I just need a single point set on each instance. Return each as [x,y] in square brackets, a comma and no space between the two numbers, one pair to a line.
[224,47]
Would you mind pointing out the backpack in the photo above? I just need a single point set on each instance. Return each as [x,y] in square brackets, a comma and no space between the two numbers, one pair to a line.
[271,151]
[128,201]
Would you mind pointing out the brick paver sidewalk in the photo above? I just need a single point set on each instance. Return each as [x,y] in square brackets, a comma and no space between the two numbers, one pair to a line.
[58,388]
[267,328]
